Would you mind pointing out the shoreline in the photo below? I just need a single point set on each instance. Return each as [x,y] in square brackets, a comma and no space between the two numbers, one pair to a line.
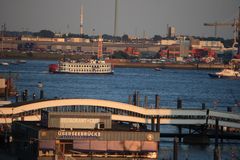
[50,57]
[170,66]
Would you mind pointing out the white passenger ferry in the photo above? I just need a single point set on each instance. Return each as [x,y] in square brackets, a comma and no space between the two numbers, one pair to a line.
[81,67]
[91,67]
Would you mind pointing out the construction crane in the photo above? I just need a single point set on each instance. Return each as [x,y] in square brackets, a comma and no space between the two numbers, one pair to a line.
[216,24]
[235,24]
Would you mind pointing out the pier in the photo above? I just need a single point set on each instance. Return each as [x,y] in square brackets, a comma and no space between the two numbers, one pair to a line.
[156,117]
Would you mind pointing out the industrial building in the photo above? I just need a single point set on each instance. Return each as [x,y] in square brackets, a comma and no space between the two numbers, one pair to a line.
[82,135]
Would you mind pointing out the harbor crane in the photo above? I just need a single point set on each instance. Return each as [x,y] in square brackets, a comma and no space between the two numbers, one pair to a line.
[216,25]
[235,24]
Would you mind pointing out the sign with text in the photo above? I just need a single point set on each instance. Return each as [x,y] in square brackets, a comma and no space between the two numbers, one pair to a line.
[78,134]
[83,123]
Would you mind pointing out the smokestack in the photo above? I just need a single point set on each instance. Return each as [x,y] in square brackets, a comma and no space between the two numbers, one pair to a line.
[81,20]
[238,28]
[115,18]
[100,43]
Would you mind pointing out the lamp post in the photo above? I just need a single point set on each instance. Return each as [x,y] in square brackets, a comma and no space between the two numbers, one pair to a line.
[40,87]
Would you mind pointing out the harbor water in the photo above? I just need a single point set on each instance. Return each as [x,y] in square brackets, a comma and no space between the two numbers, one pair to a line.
[194,87]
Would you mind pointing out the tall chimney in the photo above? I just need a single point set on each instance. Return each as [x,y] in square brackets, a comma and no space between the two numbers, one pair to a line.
[115,18]
[81,20]
[238,28]
[100,45]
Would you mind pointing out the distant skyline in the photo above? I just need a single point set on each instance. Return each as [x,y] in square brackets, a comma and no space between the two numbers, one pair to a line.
[135,17]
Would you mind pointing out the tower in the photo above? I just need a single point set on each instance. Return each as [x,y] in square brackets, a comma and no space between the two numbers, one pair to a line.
[100,45]
[81,20]
[115,18]
[238,29]
[171,31]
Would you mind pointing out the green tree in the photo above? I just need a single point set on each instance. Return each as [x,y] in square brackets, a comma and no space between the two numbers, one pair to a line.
[120,55]
[125,38]
[44,33]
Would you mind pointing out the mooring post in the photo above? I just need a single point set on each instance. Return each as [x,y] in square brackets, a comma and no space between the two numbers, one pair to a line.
[145,101]
[179,103]
[130,99]
[6,93]
[138,99]
[135,98]
[216,149]
[16,96]
[203,106]
[157,101]
[26,94]
[175,149]
[23,96]
[41,94]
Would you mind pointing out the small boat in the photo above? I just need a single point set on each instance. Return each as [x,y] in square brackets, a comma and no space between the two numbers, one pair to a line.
[226,73]
[157,69]
[22,61]
[4,63]
[14,62]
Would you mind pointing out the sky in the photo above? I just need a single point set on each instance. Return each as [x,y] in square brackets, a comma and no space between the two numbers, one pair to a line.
[135,17]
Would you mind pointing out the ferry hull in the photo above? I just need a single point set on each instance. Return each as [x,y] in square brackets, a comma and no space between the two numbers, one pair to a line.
[60,72]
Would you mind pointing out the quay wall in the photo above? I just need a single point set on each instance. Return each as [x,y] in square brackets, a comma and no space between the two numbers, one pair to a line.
[117,64]
[169,66]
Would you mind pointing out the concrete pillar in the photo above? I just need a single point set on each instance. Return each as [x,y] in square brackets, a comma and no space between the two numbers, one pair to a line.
[216,149]
[157,101]
[152,124]
[221,134]
[207,115]
[179,132]
[229,109]
[179,103]
[190,130]
[175,149]
[158,124]
[216,153]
